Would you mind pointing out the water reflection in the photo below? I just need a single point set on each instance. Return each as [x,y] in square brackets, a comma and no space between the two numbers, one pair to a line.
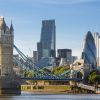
[32,96]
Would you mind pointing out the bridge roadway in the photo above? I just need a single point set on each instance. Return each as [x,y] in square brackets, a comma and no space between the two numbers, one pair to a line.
[53,79]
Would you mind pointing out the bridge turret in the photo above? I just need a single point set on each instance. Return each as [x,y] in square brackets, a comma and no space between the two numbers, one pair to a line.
[2,23]
[11,28]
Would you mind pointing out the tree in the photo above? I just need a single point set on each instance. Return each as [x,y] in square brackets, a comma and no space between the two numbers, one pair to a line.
[29,74]
[94,77]
[60,69]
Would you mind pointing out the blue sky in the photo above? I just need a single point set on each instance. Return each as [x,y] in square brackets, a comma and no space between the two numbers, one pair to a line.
[73,19]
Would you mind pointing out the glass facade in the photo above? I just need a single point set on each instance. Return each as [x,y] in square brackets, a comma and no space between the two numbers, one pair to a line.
[89,51]
[46,46]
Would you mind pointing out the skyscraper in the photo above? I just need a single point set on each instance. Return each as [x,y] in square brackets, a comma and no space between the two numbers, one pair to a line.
[47,45]
[89,51]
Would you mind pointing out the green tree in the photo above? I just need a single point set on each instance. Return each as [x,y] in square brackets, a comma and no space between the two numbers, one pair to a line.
[60,69]
[29,74]
[94,77]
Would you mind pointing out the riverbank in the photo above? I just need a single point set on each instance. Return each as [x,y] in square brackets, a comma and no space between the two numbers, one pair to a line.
[51,89]
[54,89]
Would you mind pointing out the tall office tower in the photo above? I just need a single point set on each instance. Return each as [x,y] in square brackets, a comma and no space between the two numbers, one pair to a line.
[89,51]
[65,55]
[47,45]
[97,43]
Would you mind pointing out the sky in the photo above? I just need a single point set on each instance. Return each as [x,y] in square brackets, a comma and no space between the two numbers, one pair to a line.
[73,19]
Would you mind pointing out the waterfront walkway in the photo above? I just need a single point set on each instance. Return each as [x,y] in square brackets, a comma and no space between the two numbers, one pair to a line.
[87,87]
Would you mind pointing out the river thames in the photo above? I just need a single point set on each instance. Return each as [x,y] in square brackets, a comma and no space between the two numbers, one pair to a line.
[30,96]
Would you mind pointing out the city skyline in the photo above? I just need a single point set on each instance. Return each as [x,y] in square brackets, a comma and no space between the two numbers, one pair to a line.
[73,19]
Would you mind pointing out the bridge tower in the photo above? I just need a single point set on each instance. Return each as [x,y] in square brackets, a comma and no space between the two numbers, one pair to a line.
[8,83]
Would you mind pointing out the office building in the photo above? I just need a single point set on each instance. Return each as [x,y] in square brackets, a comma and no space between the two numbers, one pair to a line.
[89,51]
[47,46]
[35,56]
[65,56]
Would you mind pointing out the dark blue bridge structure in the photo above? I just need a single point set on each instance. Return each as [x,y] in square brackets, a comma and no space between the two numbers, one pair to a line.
[27,65]
[52,79]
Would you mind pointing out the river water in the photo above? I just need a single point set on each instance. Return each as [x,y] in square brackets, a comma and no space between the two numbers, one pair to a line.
[30,96]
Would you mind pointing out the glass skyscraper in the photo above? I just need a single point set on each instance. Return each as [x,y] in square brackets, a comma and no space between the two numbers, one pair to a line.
[47,45]
[89,51]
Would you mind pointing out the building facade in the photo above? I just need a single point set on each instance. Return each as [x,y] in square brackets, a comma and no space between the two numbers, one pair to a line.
[97,43]
[47,45]
[65,56]
[35,56]
[74,58]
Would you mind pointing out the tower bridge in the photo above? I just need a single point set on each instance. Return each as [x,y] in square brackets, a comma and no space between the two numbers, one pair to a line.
[9,81]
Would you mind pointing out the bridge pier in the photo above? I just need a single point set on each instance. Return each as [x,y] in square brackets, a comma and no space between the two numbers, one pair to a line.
[8,85]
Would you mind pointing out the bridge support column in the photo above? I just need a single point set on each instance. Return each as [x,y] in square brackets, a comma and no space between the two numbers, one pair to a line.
[9,86]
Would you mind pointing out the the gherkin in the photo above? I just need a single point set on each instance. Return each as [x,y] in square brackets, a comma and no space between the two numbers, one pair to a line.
[89,51]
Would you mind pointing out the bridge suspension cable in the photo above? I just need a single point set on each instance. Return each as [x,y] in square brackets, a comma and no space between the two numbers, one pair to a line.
[28,63]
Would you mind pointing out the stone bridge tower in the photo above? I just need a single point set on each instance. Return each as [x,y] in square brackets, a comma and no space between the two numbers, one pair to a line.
[8,85]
